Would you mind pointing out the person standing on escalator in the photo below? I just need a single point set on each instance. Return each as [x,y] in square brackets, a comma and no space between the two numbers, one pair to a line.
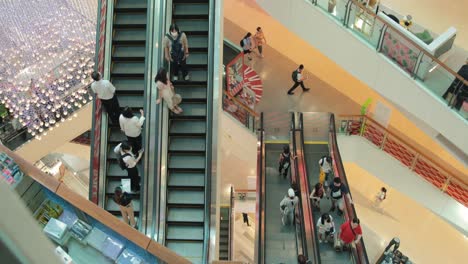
[128,161]
[124,200]
[176,51]
[288,207]
[131,126]
[105,91]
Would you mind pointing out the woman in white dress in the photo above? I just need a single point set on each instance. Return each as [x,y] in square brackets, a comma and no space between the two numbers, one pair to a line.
[166,92]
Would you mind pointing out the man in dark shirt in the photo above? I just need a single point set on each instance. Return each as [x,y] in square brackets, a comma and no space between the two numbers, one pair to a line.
[462,93]
[337,191]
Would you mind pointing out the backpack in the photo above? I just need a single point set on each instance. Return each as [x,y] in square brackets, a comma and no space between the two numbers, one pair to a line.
[294,75]
[177,52]
[242,43]
[122,163]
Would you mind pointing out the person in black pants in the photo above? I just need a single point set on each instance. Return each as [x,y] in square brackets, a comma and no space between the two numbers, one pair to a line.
[105,91]
[298,79]
[462,93]
[124,149]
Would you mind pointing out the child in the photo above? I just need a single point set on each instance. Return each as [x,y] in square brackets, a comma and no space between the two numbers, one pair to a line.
[316,195]
[380,197]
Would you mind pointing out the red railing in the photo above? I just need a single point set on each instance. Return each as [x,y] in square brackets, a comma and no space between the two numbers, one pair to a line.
[408,155]
[96,146]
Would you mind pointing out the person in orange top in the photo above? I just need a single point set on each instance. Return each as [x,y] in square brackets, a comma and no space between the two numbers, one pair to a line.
[351,232]
[260,40]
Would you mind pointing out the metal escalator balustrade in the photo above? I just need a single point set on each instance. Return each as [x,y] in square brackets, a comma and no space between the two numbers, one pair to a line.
[128,74]
[185,229]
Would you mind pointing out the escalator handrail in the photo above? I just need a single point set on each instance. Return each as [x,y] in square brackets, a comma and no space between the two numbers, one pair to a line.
[260,201]
[309,223]
[359,252]
[300,229]
[214,85]
[97,107]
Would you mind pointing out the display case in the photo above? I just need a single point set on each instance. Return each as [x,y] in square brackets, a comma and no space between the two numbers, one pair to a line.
[10,171]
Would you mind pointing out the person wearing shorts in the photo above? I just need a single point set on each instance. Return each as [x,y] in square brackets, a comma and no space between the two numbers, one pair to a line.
[337,191]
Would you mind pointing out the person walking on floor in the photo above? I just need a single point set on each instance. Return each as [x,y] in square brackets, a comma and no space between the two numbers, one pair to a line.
[131,126]
[128,161]
[105,91]
[287,207]
[298,79]
[166,92]
[260,40]
[247,44]
[245,217]
[124,200]
[176,50]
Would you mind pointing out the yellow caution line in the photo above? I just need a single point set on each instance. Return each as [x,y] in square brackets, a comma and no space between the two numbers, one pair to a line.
[316,142]
[276,141]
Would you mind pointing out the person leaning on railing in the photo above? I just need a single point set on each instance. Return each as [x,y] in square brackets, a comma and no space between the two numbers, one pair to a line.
[462,94]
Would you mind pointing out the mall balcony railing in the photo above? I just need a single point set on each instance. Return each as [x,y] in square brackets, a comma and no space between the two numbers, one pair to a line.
[161,253]
[383,34]
[408,154]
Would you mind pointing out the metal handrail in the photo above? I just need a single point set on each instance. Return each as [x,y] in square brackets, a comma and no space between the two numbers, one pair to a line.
[300,229]
[231,224]
[97,106]
[359,252]
[375,16]
[309,223]
[241,104]
[260,201]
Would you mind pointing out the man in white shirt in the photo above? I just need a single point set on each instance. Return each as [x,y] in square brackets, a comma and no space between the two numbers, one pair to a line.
[105,91]
[131,126]
[298,78]
[124,151]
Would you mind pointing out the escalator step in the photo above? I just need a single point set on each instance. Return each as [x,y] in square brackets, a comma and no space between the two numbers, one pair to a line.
[114,170]
[187,144]
[124,52]
[183,197]
[193,26]
[193,251]
[190,9]
[116,136]
[185,215]
[129,36]
[192,93]
[133,101]
[198,60]
[224,224]
[185,232]
[112,206]
[186,161]
[198,43]
[121,68]
[191,110]
[186,179]
[130,20]
[187,127]
[131,4]
[129,84]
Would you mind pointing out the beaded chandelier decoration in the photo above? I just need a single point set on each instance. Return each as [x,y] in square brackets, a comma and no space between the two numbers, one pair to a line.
[46,57]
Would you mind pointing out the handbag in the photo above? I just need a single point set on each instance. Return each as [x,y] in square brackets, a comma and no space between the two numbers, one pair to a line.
[465,106]
[176,99]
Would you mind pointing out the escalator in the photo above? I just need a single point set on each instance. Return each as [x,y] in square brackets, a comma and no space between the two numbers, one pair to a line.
[188,141]
[313,151]
[276,243]
[127,73]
